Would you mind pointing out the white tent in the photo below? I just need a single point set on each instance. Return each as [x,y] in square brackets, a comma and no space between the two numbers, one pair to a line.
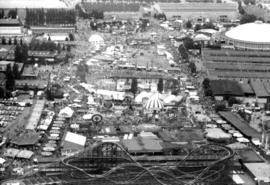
[111,94]
[90,100]
[143,95]
[201,37]
[154,103]
[242,140]
[2,161]
[87,116]
[96,40]
[66,112]
[207,31]
[172,98]
[217,133]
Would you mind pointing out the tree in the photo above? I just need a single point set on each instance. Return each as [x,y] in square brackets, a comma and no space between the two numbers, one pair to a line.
[220,106]
[25,87]
[16,71]
[188,24]
[4,41]
[192,67]
[2,93]
[209,25]
[206,83]
[247,2]
[208,92]
[134,86]
[183,52]
[240,8]
[10,79]
[160,85]
[232,100]
[58,48]
[71,37]
[12,13]
[197,27]
[2,14]
[17,53]
[188,43]
[247,18]
[21,53]
[15,41]
[68,48]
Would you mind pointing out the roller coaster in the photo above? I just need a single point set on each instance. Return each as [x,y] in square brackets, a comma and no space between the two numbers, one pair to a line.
[110,163]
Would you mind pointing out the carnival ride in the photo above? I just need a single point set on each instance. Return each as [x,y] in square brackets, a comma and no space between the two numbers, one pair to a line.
[110,163]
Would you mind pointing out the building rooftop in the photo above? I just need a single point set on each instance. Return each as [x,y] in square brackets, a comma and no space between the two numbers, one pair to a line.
[259,88]
[28,138]
[225,87]
[246,88]
[240,124]
[260,171]
[12,4]
[75,138]
[256,32]
[239,74]
[249,155]
[142,145]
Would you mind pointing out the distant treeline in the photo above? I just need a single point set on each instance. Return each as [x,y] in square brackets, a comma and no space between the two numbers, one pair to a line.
[39,17]
[111,7]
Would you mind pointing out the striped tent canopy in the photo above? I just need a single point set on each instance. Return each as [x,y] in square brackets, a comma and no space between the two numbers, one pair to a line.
[154,103]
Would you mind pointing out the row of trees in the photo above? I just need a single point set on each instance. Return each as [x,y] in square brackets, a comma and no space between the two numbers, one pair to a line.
[62,16]
[208,25]
[134,86]
[39,17]
[245,17]
[35,17]
[11,14]
[6,41]
[36,45]
[111,7]
[160,16]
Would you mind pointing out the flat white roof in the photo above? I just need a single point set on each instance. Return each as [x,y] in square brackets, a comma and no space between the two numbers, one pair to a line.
[75,138]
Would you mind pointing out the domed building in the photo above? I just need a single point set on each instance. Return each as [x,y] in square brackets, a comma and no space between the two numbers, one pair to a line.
[250,36]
